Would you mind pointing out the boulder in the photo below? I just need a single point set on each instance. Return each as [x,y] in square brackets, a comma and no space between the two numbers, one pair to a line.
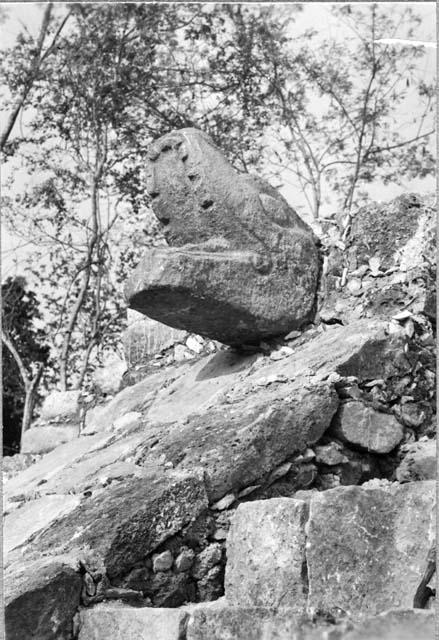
[60,406]
[370,430]
[41,598]
[266,555]
[241,265]
[116,621]
[44,438]
[367,546]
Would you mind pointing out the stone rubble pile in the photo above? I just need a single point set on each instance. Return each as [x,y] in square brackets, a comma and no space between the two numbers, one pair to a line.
[283,489]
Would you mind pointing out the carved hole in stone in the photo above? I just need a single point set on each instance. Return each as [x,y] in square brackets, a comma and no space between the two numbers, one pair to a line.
[206,204]
[192,176]
[154,194]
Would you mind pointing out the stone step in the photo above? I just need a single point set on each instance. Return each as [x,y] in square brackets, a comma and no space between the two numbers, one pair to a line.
[344,549]
[221,622]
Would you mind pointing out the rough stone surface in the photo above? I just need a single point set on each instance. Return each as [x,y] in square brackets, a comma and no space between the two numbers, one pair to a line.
[108,378]
[266,555]
[118,622]
[398,624]
[366,428]
[162,561]
[145,338]
[419,462]
[129,521]
[41,598]
[60,405]
[241,266]
[381,261]
[245,623]
[367,546]
[33,516]
[45,438]
[239,423]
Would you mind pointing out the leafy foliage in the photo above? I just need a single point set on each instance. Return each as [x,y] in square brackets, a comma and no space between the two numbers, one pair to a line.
[20,310]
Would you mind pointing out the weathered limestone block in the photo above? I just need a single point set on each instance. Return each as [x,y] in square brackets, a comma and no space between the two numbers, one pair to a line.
[241,264]
[370,430]
[266,555]
[118,622]
[33,516]
[397,624]
[45,438]
[367,546]
[145,337]
[61,406]
[41,598]
[247,623]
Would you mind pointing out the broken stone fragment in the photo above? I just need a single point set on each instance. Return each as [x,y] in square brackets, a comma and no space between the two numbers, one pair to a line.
[363,427]
[241,265]
[419,462]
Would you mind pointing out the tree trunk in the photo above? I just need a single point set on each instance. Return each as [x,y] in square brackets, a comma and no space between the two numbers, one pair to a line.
[29,400]
[35,65]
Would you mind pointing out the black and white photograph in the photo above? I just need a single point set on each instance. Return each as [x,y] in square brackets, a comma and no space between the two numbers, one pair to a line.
[218,295]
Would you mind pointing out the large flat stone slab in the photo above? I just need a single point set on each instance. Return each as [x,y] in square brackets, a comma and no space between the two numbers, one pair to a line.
[33,516]
[266,555]
[367,546]
[241,265]
[119,622]
[127,522]
[45,438]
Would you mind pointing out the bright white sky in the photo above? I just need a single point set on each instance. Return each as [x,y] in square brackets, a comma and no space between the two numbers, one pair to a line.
[314,15]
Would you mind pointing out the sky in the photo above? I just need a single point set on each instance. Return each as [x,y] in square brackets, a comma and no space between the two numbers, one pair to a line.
[18,16]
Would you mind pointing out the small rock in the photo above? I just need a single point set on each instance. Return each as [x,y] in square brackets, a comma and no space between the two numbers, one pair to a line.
[129,421]
[402,315]
[194,344]
[184,560]
[329,481]
[354,286]
[330,454]
[247,491]
[162,561]
[281,471]
[224,503]
[293,335]
[411,414]
[220,534]
[264,382]
[281,353]
[419,462]
[366,428]
[181,354]
[208,558]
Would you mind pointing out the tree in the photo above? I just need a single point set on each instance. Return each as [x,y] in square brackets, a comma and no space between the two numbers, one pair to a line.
[348,134]
[23,76]
[25,354]
[122,75]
